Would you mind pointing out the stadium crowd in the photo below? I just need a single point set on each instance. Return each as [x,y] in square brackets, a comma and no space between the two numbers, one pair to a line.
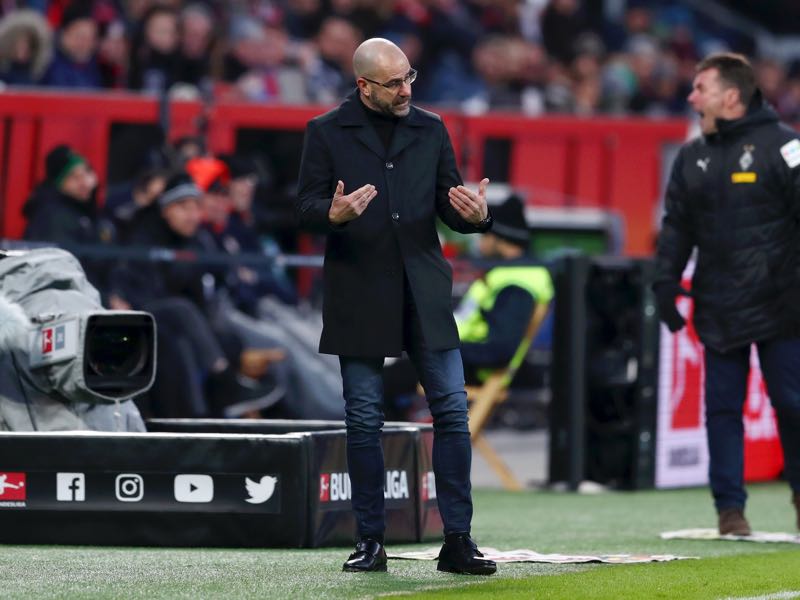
[532,56]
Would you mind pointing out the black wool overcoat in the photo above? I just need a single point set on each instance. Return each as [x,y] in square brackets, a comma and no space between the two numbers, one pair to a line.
[366,258]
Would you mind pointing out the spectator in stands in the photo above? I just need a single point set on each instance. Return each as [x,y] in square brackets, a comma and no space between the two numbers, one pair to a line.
[26,47]
[514,72]
[112,55]
[137,203]
[245,37]
[585,94]
[177,294]
[245,285]
[192,364]
[62,209]
[155,58]
[303,18]
[644,64]
[243,233]
[135,10]
[636,20]
[771,79]
[367,17]
[197,41]
[177,228]
[258,64]
[75,62]
[449,33]
[244,179]
[276,48]
[562,22]
[184,149]
[330,77]
[253,300]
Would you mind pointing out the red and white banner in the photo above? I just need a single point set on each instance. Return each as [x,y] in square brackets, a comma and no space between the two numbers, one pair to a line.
[681,446]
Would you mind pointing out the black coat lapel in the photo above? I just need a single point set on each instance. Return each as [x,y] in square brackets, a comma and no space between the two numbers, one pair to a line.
[351,114]
[408,130]
[367,135]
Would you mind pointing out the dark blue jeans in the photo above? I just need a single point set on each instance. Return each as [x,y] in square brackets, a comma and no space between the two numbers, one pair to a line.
[442,375]
[726,386]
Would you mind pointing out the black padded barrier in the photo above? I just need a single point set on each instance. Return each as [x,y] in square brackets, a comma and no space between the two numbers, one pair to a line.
[330,518]
[206,482]
[155,489]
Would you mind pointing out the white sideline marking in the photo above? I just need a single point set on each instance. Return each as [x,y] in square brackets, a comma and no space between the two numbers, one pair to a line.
[776,596]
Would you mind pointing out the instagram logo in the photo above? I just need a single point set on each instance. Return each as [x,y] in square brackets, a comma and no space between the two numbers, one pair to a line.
[129,487]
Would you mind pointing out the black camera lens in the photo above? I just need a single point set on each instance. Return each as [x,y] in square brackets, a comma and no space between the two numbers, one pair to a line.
[116,350]
[119,357]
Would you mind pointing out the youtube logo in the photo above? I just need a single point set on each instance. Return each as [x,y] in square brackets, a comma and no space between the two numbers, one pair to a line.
[194,488]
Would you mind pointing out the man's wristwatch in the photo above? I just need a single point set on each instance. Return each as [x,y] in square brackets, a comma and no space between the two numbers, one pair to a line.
[483,223]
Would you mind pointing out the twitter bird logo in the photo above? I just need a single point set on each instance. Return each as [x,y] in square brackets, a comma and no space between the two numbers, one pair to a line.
[260,491]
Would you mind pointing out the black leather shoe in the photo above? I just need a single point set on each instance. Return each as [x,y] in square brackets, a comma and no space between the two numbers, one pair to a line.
[369,556]
[459,554]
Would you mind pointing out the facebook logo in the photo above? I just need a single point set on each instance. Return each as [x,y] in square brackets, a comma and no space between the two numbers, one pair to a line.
[70,487]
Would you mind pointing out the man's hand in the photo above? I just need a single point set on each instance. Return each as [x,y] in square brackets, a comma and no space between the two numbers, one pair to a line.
[471,206]
[666,294]
[346,208]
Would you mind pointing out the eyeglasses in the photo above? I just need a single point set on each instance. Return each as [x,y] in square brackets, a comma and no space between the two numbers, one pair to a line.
[395,84]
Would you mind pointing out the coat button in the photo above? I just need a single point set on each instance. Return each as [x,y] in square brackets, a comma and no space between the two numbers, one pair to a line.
[390,165]
[395,216]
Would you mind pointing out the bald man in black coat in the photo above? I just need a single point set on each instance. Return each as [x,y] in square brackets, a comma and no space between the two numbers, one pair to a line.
[387,287]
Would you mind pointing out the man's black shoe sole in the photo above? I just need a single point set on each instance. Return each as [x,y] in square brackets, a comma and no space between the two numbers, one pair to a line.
[377,569]
[460,571]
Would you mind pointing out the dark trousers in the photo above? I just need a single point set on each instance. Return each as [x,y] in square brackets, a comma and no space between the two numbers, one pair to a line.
[726,387]
[442,376]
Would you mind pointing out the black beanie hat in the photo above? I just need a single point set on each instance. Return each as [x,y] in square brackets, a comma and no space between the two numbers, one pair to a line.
[59,162]
[178,187]
[77,10]
[509,221]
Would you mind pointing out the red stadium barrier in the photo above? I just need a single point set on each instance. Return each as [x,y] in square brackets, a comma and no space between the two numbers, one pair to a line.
[613,164]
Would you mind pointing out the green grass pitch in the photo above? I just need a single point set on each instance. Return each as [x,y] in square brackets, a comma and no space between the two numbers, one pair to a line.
[607,523]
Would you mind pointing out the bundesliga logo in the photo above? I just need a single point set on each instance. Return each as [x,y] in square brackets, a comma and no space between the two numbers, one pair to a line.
[428,486]
[13,490]
[335,487]
[396,485]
